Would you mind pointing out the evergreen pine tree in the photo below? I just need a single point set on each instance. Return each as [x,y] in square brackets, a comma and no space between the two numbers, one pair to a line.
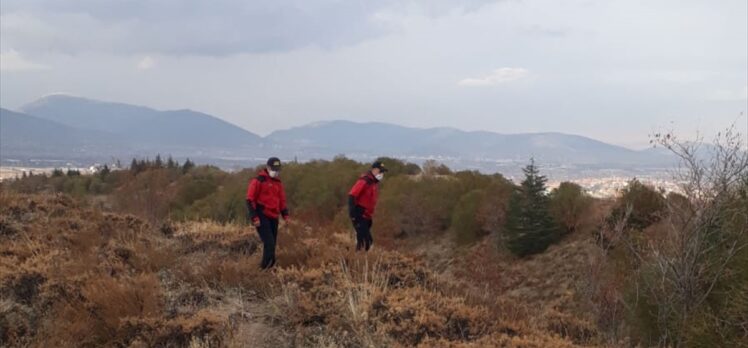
[104,171]
[170,163]
[158,163]
[529,226]
[187,166]
[134,167]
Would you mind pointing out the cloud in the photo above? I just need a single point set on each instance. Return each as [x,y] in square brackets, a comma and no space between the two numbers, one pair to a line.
[498,76]
[146,63]
[537,30]
[729,94]
[13,61]
[203,28]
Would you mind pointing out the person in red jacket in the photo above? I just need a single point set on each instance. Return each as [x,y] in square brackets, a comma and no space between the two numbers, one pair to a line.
[266,201]
[362,200]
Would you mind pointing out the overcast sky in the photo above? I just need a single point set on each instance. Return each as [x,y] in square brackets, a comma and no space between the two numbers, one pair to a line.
[612,70]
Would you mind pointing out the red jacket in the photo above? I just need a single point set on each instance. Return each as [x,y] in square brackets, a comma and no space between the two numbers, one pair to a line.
[266,194]
[365,193]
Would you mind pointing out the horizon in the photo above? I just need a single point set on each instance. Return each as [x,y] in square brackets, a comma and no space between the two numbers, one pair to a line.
[313,123]
[615,72]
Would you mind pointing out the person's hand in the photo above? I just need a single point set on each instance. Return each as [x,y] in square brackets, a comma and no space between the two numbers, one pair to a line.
[256,222]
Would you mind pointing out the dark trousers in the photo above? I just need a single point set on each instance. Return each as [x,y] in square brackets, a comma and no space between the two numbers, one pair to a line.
[363,233]
[268,231]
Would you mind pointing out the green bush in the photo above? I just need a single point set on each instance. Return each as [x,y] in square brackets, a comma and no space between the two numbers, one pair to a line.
[317,190]
[647,205]
[417,206]
[465,226]
[399,167]
[225,203]
[568,205]
[491,214]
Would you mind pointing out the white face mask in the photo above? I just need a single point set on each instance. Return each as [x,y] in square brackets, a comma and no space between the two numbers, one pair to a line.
[379,176]
[273,173]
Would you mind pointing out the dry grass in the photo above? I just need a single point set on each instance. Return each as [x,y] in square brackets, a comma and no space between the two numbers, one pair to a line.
[387,299]
[547,292]
[74,276]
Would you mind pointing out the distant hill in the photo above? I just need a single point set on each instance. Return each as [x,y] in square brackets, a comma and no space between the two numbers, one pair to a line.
[29,135]
[65,127]
[334,137]
[144,127]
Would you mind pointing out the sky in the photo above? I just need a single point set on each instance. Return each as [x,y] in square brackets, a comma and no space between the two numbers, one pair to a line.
[615,70]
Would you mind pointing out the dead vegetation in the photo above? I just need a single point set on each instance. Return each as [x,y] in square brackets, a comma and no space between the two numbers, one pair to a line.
[71,275]
[160,256]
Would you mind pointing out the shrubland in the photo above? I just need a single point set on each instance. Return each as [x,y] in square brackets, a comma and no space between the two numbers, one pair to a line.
[160,255]
[73,275]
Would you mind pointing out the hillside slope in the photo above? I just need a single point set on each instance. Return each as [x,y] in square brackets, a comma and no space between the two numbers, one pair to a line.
[69,273]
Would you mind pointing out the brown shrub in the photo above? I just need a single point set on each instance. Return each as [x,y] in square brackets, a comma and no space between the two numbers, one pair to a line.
[389,301]
[17,323]
[410,315]
[23,287]
[205,328]
[569,326]
[311,297]
[76,276]
[536,340]
[242,272]
[104,305]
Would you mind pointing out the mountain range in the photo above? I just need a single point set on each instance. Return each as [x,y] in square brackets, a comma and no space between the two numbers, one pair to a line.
[360,138]
[63,127]
[25,135]
[141,125]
